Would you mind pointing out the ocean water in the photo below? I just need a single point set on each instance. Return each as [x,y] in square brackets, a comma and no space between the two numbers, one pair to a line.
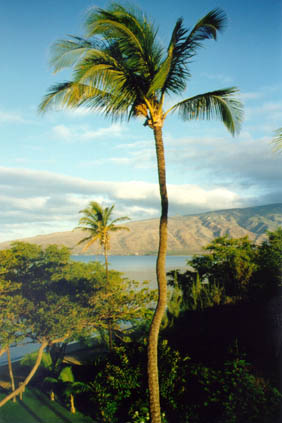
[139,268]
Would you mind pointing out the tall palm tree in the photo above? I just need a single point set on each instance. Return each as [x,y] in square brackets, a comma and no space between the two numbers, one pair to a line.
[122,71]
[97,222]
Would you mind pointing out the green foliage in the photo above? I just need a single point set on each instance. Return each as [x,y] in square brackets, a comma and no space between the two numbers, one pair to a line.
[123,301]
[190,392]
[193,294]
[29,360]
[66,375]
[269,265]
[48,303]
[143,416]
[118,383]
[230,263]
[232,270]
[12,330]
[35,305]
[174,306]
[121,70]
[232,395]
[204,295]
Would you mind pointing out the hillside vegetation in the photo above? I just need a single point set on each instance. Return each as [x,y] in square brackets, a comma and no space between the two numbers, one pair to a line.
[186,234]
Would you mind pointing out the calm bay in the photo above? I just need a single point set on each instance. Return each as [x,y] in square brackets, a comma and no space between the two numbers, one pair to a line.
[139,268]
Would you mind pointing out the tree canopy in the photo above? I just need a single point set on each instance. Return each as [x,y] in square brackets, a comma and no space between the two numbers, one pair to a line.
[48,298]
[234,268]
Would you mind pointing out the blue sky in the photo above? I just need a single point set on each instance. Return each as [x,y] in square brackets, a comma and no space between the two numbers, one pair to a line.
[53,165]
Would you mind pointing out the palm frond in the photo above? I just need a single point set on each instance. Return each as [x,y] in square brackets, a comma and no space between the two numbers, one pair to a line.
[277,140]
[119,228]
[91,242]
[72,94]
[185,47]
[97,221]
[220,104]
[207,28]
[176,68]
[136,35]
[66,53]
[122,71]
[121,219]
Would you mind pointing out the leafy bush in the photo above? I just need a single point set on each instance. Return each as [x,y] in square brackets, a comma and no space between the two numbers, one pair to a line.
[236,270]
[115,390]
[190,392]
[230,395]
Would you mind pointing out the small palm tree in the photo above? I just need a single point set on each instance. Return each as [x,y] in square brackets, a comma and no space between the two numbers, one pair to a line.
[121,70]
[97,222]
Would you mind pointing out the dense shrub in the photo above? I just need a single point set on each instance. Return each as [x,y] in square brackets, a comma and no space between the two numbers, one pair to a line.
[233,270]
[190,392]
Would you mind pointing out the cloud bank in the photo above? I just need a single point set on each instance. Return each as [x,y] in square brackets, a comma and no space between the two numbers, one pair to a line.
[36,202]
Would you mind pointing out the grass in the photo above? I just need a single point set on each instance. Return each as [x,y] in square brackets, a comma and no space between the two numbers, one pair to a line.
[37,408]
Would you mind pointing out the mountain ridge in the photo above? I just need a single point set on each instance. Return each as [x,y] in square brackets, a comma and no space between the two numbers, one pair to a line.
[187,234]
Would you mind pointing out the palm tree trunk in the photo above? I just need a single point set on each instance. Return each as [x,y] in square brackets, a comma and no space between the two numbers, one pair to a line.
[110,330]
[110,334]
[106,262]
[72,407]
[153,376]
[11,372]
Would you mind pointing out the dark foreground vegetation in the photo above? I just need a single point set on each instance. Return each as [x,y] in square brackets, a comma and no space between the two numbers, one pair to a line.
[220,347]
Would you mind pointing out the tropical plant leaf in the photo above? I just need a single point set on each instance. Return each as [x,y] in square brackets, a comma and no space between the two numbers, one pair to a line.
[219,104]
[277,140]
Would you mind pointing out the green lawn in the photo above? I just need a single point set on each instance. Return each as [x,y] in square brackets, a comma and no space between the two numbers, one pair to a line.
[37,408]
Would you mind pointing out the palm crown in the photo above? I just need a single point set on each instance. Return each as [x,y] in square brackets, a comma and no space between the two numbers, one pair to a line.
[97,222]
[121,70]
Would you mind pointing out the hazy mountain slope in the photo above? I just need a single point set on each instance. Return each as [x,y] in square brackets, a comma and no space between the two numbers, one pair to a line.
[186,234]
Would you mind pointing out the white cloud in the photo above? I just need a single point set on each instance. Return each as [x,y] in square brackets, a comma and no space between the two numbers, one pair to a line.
[83,133]
[218,76]
[11,117]
[29,203]
[139,159]
[114,130]
[268,111]
[250,95]
[203,198]
[77,112]
[62,131]
[42,202]
[244,159]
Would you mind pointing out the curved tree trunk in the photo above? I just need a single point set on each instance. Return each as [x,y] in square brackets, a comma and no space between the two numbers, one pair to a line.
[11,371]
[153,376]
[29,376]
